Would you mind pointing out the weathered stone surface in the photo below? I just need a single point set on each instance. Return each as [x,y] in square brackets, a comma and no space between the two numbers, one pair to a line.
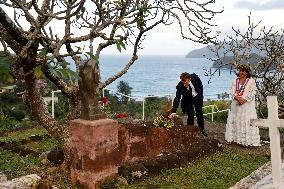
[175,159]
[95,153]
[25,182]
[145,142]
[162,163]
[3,177]
[151,166]
[56,155]
[102,149]
[138,171]
[43,158]
[89,92]
[249,181]
[178,121]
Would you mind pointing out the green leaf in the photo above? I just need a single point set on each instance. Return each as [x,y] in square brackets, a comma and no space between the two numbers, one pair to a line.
[5,63]
[93,57]
[78,16]
[43,53]
[63,72]
[83,10]
[123,45]
[118,45]
[74,75]
[64,64]
[78,48]
[66,73]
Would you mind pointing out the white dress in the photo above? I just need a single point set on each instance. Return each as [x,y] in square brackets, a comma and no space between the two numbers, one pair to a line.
[238,127]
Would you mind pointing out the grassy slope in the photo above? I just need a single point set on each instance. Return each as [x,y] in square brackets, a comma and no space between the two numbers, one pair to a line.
[219,171]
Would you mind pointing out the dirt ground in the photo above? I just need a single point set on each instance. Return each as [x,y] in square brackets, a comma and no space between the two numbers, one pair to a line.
[217,131]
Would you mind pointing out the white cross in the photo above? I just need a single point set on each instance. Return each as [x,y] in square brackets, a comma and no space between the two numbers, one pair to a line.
[273,123]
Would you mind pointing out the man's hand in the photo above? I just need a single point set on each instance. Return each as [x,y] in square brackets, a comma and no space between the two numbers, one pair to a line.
[172,115]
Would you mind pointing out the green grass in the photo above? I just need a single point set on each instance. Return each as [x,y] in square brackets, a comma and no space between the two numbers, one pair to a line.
[42,146]
[13,165]
[20,135]
[221,171]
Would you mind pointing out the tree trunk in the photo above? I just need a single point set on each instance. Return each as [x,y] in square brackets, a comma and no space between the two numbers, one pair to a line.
[89,92]
[39,111]
[74,106]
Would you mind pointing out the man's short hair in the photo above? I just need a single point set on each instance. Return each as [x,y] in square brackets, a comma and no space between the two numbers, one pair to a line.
[184,76]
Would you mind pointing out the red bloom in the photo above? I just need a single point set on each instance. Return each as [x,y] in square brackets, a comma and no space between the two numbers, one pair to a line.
[120,115]
[104,99]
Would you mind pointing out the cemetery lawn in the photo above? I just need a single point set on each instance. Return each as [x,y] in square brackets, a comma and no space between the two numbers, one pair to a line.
[15,161]
[220,170]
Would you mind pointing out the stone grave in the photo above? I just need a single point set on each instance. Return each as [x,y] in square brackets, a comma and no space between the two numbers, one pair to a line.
[103,148]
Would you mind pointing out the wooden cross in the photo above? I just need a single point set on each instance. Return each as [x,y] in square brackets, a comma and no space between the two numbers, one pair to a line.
[273,123]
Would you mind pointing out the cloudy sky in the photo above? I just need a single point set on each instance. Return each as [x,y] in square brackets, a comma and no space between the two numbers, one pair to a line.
[167,40]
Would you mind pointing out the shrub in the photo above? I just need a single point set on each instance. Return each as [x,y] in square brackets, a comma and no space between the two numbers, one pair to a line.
[6,123]
[218,105]
[9,98]
[156,105]
[12,106]
[124,88]
[18,114]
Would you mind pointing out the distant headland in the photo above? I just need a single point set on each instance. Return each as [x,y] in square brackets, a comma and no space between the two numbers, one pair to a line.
[226,61]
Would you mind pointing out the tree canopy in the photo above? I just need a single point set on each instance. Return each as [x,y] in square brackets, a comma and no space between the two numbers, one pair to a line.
[263,48]
[40,35]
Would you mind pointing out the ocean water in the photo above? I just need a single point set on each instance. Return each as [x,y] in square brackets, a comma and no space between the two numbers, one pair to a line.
[159,75]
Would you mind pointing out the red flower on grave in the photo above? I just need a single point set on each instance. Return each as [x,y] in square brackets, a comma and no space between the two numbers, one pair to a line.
[104,100]
[120,115]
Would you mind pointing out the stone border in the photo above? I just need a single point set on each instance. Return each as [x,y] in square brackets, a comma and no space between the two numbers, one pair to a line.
[254,177]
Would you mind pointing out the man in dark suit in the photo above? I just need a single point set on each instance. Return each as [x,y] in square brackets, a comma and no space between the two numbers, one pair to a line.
[191,89]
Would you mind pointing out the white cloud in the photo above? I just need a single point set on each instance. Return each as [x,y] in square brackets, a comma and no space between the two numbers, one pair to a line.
[260,5]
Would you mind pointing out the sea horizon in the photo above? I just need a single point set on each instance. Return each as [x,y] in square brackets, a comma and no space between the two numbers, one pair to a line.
[158,75]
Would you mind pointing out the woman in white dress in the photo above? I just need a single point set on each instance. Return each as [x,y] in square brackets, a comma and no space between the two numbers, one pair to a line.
[238,127]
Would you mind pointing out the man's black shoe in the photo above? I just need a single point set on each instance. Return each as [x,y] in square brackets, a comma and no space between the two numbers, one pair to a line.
[204,133]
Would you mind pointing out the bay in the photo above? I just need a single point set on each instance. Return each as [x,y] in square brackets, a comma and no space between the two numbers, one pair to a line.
[156,75]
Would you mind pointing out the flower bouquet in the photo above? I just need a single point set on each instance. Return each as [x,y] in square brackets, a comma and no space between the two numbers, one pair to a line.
[163,121]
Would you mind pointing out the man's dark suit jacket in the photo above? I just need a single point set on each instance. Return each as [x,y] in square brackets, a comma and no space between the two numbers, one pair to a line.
[187,99]
[196,82]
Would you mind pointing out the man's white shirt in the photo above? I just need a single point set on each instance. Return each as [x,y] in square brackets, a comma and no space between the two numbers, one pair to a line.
[194,93]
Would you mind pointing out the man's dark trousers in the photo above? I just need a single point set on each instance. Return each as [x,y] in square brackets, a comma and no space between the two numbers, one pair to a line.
[198,104]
